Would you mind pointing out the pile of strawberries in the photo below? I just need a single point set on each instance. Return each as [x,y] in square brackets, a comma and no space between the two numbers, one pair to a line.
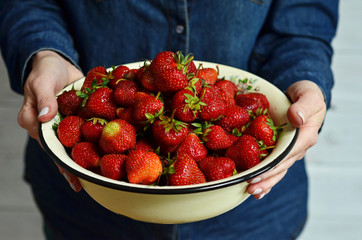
[169,122]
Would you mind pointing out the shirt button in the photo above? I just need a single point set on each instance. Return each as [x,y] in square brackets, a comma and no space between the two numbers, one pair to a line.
[180,29]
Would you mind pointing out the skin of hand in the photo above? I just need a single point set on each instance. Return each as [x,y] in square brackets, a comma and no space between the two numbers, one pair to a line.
[49,75]
[307,113]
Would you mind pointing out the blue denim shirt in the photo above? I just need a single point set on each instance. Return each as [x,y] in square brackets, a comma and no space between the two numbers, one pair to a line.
[281,41]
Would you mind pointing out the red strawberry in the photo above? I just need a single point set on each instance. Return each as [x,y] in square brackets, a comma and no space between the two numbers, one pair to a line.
[148,80]
[140,72]
[86,155]
[186,172]
[69,131]
[131,74]
[117,137]
[252,101]
[146,108]
[215,138]
[263,129]
[235,117]
[143,144]
[125,92]
[191,68]
[117,74]
[101,104]
[69,103]
[92,129]
[143,167]
[209,75]
[245,153]
[193,147]
[169,133]
[215,168]
[214,107]
[227,88]
[113,166]
[97,73]
[186,105]
[170,70]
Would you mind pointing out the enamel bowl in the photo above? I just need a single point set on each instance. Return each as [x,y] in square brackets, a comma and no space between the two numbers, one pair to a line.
[180,204]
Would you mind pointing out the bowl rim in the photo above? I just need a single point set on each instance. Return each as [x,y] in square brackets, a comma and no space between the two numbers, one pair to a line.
[164,190]
[136,188]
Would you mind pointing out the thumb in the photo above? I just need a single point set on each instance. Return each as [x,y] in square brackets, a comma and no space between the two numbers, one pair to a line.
[307,100]
[47,104]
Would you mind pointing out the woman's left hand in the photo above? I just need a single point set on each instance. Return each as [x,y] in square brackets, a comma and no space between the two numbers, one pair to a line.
[306,113]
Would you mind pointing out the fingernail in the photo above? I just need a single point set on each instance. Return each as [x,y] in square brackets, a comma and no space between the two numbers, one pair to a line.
[301,116]
[256,180]
[66,176]
[72,186]
[261,196]
[44,111]
[257,191]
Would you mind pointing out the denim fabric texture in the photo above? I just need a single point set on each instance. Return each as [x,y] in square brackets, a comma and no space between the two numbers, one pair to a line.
[283,41]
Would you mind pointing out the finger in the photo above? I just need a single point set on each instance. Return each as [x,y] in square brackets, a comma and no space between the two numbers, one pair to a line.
[27,119]
[71,179]
[47,105]
[262,188]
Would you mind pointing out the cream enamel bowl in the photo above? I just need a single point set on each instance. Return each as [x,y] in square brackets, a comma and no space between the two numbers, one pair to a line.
[181,204]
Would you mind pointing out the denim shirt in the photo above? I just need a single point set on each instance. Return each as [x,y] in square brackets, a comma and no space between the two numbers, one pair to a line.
[282,41]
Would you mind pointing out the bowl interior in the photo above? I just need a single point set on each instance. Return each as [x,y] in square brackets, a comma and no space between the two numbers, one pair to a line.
[279,105]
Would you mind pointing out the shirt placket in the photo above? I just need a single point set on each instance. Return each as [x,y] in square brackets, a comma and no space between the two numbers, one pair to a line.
[179,25]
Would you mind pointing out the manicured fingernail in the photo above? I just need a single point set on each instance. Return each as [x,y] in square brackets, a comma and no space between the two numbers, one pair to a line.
[66,176]
[72,186]
[44,111]
[261,196]
[256,180]
[257,191]
[301,116]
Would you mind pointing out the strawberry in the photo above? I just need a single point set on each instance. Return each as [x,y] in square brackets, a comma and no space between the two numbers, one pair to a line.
[227,88]
[215,168]
[140,72]
[186,105]
[235,117]
[169,133]
[113,166]
[101,104]
[213,106]
[117,137]
[143,144]
[146,108]
[252,101]
[170,70]
[69,103]
[96,73]
[171,80]
[69,131]
[117,74]
[193,147]
[92,129]
[263,129]
[125,92]
[191,68]
[148,80]
[245,153]
[185,172]
[209,75]
[86,155]
[215,137]
[143,167]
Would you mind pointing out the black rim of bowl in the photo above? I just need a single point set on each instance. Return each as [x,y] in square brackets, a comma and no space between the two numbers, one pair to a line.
[176,190]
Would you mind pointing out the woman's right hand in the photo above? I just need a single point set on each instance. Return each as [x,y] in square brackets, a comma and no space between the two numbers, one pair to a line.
[49,75]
